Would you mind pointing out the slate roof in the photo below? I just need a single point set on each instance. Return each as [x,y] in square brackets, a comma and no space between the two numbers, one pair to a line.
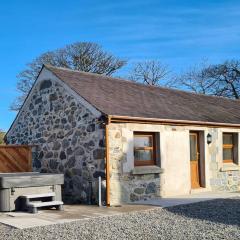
[113,96]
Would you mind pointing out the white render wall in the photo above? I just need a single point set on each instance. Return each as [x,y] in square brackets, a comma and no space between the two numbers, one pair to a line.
[175,160]
[175,157]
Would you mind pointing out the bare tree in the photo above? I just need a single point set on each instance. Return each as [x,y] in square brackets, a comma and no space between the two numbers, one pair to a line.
[194,79]
[225,78]
[151,72]
[213,79]
[82,56]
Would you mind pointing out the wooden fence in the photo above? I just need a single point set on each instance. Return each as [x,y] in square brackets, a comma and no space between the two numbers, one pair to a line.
[15,158]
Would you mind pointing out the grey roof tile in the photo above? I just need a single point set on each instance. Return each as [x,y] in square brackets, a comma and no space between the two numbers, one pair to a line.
[113,96]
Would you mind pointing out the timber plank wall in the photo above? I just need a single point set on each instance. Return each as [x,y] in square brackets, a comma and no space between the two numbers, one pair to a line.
[15,158]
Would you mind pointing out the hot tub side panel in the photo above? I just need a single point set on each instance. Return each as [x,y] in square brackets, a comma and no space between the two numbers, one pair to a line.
[5,204]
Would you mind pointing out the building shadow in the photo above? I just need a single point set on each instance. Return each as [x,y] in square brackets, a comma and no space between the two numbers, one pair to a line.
[223,211]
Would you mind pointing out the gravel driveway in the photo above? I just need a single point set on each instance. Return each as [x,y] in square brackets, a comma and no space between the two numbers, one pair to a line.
[217,219]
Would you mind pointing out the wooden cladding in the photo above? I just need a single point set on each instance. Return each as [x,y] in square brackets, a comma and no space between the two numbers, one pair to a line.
[15,158]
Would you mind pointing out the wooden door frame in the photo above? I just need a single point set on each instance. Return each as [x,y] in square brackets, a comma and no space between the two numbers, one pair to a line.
[198,145]
[201,157]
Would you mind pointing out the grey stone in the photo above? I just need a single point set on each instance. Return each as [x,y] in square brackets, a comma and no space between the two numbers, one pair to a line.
[56,145]
[77,171]
[38,100]
[71,162]
[139,190]
[60,134]
[101,143]
[61,168]
[45,84]
[53,97]
[70,118]
[99,153]
[31,107]
[79,151]
[37,164]
[53,164]
[76,180]
[49,155]
[63,155]
[65,143]
[69,151]
[68,173]
[91,128]
[133,197]
[89,145]
[86,115]
[42,140]
[78,133]
[69,133]
[63,120]
[38,135]
[34,112]
[151,188]
[74,140]
[85,174]
[51,138]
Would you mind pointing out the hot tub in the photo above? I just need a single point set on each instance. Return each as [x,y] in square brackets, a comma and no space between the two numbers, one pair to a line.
[14,185]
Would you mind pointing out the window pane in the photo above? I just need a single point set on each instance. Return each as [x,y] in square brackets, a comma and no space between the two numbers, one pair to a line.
[143,155]
[193,148]
[142,141]
[227,138]
[227,154]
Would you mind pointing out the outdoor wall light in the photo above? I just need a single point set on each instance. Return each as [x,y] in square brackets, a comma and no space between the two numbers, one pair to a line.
[209,138]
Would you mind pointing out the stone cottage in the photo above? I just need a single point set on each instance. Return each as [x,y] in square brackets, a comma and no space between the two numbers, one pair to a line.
[144,141]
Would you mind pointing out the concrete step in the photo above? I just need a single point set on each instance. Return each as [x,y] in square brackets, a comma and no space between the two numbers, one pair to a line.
[44,204]
[33,206]
[41,195]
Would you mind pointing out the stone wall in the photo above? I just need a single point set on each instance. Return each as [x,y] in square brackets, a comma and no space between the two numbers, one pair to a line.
[174,179]
[224,177]
[68,136]
[125,185]
[226,181]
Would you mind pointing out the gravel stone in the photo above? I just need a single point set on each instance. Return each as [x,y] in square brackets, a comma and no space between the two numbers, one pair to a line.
[217,219]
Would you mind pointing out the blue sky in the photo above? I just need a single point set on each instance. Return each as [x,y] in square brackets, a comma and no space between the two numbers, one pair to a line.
[179,33]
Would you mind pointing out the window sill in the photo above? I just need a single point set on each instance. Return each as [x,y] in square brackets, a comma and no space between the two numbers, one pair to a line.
[229,167]
[147,170]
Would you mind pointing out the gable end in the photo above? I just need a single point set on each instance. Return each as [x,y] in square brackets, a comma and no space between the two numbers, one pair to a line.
[44,81]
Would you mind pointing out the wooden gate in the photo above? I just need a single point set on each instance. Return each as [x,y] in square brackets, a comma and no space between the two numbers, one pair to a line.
[15,158]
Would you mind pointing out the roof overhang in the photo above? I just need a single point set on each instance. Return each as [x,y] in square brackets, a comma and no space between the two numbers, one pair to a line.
[127,119]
